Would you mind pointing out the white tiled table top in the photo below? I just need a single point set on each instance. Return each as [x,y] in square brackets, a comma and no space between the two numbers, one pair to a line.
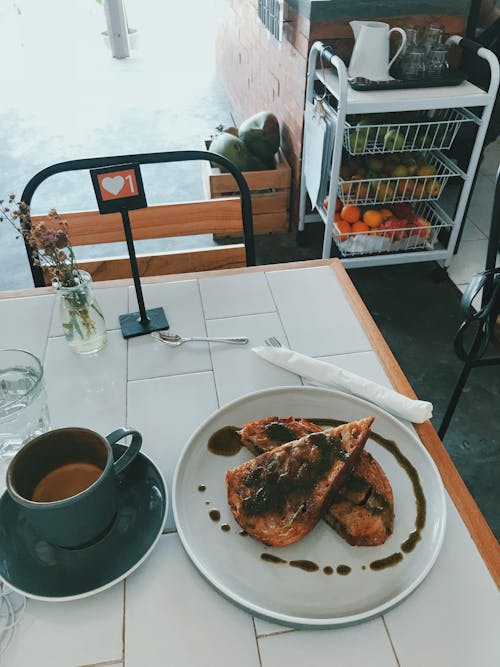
[165,613]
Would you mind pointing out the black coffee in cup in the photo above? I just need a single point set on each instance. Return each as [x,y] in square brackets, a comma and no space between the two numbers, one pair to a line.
[65,482]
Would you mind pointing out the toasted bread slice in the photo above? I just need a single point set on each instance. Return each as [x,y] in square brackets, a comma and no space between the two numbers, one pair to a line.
[267,434]
[362,511]
[279,496]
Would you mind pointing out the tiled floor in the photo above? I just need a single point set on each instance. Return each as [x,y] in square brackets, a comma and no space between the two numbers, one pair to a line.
[471,256]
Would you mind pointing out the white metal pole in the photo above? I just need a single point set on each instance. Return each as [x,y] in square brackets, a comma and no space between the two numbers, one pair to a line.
[116,21]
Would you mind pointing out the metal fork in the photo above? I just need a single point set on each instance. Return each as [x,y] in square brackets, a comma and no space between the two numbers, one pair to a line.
[272,341]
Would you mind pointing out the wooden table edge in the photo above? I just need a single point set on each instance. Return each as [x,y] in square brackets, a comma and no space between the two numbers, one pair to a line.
[476,524]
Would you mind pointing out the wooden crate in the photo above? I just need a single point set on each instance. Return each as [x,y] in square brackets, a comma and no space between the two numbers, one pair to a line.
[270,191]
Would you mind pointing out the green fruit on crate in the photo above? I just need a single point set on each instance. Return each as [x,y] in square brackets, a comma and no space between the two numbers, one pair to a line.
[261,135]
[231,130]
[256,164]
[233,149]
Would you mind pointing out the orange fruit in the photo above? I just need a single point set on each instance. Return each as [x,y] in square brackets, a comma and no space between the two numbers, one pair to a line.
[372,218]
[360,227]
[385,213]
[350,213]
[344,228]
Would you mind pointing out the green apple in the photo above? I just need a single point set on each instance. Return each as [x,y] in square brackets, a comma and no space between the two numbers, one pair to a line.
[400,171]
[357,141]
[394,140]
[374,164]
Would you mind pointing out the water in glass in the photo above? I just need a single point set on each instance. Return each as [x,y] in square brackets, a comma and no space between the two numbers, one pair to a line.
[23,403]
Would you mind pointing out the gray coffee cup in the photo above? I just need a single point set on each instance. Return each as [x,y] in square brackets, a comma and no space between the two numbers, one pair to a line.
[65,482]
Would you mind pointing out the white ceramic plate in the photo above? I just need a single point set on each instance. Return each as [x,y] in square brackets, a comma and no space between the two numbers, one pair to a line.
[285,594]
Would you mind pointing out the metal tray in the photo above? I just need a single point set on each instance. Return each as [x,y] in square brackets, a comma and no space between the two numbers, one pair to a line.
[453,77]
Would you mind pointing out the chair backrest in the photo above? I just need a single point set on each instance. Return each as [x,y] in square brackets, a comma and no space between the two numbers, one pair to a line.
[227,216]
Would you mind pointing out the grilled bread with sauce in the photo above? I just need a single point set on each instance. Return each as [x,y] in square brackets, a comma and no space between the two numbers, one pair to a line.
[267,434]
[362,511]
[279,496]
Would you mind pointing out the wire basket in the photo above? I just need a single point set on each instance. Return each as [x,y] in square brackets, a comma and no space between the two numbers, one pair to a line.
[407,188]
[411,237]
[437,131]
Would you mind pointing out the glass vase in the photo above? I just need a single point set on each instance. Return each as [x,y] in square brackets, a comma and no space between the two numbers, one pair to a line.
[81,317]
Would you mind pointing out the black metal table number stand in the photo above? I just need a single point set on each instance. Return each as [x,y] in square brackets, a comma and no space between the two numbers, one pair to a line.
[119,189]
[145,321]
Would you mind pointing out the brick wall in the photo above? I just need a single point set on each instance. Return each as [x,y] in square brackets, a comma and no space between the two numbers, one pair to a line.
[259,73]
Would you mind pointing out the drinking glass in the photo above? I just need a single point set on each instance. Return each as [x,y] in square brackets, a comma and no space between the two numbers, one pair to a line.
[433,36]
[413,64]
[437,62]
[411,36]
[23,403]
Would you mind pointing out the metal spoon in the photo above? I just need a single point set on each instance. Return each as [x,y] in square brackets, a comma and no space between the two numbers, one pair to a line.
[174,340]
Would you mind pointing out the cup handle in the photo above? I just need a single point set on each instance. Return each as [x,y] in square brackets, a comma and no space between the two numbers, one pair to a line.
[402,46]
[132,449]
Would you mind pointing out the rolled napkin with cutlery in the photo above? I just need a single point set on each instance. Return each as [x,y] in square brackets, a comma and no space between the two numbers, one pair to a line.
[329,374]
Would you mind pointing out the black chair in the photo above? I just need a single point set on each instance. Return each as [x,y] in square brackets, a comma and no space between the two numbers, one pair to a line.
[225,216]
[478,327]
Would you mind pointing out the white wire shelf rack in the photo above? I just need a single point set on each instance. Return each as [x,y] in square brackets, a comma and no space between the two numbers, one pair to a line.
[424,130]
[409,238]
[385,190]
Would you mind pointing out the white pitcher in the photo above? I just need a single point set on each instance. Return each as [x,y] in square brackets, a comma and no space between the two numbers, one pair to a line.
[370,56]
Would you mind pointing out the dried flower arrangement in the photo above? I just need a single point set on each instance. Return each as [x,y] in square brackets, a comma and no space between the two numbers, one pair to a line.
[51,247]
[81,316]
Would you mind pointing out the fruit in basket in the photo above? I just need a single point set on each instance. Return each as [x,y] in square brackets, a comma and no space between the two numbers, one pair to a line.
[426,170]
[411,164]
[420,227]
[432,187]
[344,228]
[402,210]
[384,191]
[419,191]
[394,228]
[357,141]
[385,213]
[359,227]
[261,135]
[400,171]
[374,164]
[405,187]
[357,167]
[338,203]
[373,218]
[350,213]
[394,140]
[345,172]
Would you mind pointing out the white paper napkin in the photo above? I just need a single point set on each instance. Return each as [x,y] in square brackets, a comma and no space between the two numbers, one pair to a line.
[329,374]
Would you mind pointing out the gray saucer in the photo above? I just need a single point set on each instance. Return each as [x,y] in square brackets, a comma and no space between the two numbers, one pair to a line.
[45,571]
